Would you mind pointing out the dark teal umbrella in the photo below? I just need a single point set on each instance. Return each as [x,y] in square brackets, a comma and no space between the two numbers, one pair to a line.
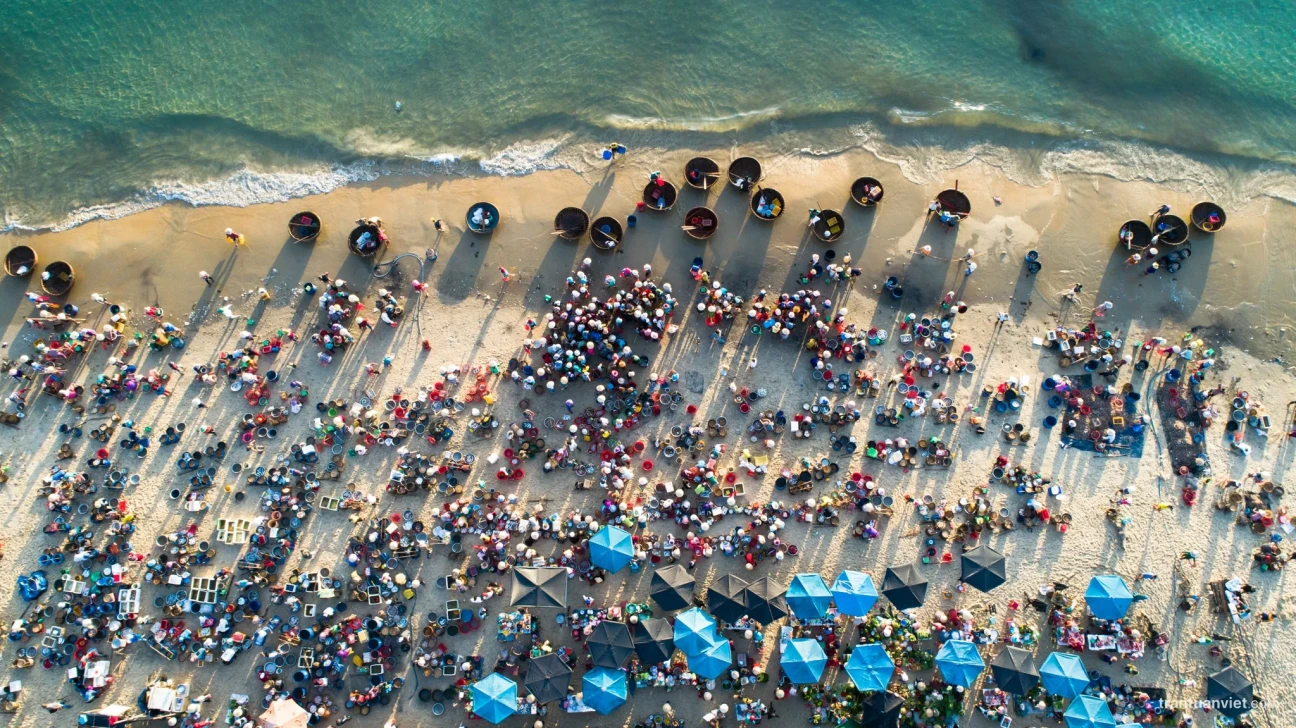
[879,710]
[983,568]
[725,598]
[764,601]
[1014,671]
[610,644]
[904,587]
[1230,692]
[543,586]
[672,586]
[654,640]
[547,678]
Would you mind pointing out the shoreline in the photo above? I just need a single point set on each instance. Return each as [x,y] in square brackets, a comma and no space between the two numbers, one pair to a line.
[924,151]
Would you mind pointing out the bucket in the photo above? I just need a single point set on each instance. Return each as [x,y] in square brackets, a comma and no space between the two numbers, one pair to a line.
[1050,422]
[1173,375]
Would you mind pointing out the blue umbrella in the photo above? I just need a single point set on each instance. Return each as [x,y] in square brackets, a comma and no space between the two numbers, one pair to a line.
[803,661]
[1064,674]
[959,662]
[611,548]
[854,593]
[692,631]
[604,689]
[870,667]
[1108,597]
[808,596]
[713,659]
[1087,711]
[494,698]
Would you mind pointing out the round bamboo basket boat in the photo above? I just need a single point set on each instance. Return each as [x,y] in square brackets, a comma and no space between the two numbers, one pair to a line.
[701,223]
[571,223]
[660,195]
[58,278]
[304,226]
[701,172]
[767,204]
[605,233]
[20,258]
[866,191]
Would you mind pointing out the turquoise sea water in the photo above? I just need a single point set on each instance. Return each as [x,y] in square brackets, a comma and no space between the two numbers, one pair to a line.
[108,105]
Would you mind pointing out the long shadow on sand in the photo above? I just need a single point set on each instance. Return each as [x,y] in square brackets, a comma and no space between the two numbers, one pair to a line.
[459,272]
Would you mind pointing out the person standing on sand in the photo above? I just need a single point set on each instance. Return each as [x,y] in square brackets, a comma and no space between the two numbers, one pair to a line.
[234,238]
[505,274]
[207,278]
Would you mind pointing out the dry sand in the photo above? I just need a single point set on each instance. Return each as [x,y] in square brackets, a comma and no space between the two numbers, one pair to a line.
[1239,288]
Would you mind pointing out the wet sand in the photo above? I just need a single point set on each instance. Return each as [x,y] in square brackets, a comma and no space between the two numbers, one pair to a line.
[1238,289]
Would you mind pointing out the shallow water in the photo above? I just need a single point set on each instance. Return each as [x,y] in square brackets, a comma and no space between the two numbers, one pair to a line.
[109,103]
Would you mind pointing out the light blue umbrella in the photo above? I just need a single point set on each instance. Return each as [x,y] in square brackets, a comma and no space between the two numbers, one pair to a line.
[854,593]
[494,698]
[959,662]
[692,631]
[1108,597]
[611,548]
[803,661]
[714,658]
[870,667]
[1087,711]
[808,596]
[604,689]
[1064,674]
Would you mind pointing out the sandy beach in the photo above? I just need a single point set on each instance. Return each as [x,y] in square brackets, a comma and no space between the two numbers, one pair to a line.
[1237,293]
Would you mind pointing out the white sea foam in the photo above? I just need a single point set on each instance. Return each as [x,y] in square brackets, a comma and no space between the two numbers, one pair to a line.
[443,158]
[526,157]
[240,189]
